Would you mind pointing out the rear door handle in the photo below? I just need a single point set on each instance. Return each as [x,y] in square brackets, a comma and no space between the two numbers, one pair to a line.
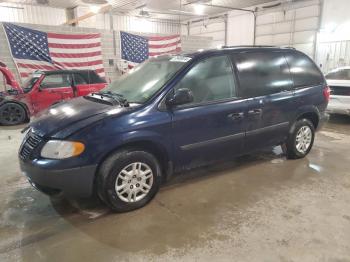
[236,116]
[256,111]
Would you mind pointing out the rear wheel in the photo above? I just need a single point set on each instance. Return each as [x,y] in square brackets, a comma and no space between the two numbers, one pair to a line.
[128,179]
[301,139]
[12,114]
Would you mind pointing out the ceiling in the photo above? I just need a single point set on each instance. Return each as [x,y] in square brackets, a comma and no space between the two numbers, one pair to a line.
[169,9]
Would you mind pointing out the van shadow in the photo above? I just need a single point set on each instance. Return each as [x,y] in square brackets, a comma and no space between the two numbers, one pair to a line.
[188,208]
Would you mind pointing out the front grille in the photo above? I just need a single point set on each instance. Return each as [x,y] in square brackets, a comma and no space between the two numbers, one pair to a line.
[31,141]
[340,90]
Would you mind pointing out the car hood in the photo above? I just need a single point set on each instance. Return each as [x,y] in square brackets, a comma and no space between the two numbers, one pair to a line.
[65,118]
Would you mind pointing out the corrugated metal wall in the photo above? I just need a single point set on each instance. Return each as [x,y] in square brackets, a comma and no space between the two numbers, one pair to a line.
[128,23]
[32,14]
[214,28]
[293,25]
[331,55]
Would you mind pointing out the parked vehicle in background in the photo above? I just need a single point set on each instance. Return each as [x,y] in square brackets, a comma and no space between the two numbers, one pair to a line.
[43,90]
[173,113]
[339,83]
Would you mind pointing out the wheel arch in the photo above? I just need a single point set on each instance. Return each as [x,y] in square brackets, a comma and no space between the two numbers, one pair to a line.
[310,112]
[156,149]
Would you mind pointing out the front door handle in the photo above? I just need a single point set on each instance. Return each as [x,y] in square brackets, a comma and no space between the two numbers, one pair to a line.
[257,111]
[236,116]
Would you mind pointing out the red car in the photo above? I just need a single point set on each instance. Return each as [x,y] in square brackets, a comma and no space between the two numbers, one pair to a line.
[43,90]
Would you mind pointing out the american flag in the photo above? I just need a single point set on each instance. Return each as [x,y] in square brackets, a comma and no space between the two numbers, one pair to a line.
[34,50]
[135,49]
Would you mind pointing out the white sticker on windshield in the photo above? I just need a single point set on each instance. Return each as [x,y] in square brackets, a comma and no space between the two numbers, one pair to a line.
[182,59]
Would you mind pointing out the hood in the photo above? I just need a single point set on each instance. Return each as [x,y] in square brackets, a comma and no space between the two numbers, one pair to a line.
[10,78]
[65,118]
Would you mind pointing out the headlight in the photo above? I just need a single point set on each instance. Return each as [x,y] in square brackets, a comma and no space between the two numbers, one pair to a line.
[57,149]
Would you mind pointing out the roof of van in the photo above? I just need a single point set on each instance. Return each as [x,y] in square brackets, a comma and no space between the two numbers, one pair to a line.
[230,49]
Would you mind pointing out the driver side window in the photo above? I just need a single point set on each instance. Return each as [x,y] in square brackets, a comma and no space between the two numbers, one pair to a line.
[209,80]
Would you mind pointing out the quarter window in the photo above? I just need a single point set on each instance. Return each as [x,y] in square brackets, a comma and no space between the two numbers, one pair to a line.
[210,80]
[263,73]
[304,72]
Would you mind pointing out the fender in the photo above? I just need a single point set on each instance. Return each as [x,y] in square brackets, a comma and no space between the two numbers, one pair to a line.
[142,136]
[304,110]
[307,109]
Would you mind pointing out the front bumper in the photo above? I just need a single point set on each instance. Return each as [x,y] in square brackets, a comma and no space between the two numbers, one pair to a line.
[74,182]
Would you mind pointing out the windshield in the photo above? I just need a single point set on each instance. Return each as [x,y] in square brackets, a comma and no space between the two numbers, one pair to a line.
[339,74]
[142,82]
[28,85]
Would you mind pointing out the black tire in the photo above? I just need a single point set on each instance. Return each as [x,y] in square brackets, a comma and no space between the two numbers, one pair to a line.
[291,145]
[110,170]
[12,114]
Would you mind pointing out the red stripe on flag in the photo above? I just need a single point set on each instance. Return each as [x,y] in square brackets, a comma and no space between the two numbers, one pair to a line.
[79,64]
[24,75]
[74,46]
[65,55]
[73,36]
[166,52]
[165,45]
[37,67]
[162,38]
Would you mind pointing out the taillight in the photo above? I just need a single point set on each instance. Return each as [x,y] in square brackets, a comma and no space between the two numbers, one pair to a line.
[327,93]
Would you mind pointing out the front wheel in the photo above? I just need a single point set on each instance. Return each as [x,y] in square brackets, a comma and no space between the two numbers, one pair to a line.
[12,114]
[300,139]
[128,179]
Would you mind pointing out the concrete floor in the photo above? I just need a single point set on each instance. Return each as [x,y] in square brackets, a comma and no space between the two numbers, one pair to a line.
[256,208]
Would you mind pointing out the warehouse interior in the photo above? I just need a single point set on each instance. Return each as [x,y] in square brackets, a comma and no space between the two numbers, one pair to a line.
[259,206]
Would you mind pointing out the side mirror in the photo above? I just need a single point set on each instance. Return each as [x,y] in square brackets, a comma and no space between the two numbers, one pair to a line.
[180,97]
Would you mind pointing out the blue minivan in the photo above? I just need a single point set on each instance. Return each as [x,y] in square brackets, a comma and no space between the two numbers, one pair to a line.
[171,113]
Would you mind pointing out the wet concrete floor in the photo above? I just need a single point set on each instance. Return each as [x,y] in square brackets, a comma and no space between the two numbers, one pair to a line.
[260,207]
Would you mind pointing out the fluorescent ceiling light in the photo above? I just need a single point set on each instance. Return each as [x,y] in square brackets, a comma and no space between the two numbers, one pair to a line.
[198,9]
[94,9]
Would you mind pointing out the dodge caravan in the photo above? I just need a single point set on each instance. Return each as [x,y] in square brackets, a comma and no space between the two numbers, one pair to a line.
[172,113]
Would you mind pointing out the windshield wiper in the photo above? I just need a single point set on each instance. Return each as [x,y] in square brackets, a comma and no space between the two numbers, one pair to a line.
[117,97]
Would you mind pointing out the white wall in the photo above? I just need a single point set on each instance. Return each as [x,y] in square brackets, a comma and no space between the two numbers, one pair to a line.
[333,48]
[293,24]
[240,28]
[214,28]
[127,23]
[32,14]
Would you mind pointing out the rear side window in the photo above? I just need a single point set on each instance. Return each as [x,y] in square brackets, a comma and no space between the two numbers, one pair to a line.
[304,72]
[79,80]
[262,73]
[56,80]
[91,77]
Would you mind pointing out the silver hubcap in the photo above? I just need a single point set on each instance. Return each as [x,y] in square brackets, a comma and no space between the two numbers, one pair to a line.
[134,182]
[303,139]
